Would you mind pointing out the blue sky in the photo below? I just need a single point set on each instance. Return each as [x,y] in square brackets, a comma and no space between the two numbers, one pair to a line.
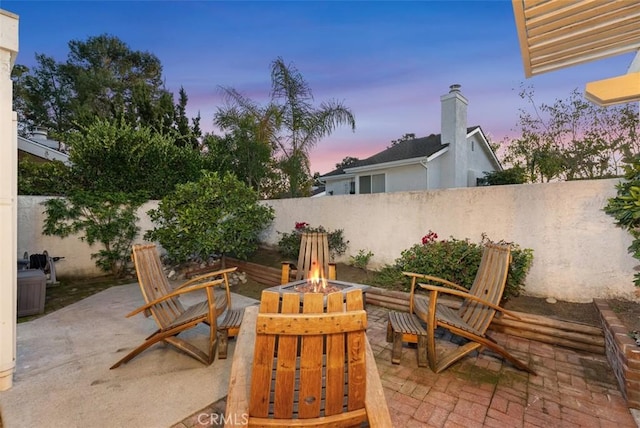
[388,61]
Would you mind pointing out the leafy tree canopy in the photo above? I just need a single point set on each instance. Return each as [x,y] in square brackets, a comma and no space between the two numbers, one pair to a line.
[405,137]
[103,78]
[116,156]
[573,139]
[347,162]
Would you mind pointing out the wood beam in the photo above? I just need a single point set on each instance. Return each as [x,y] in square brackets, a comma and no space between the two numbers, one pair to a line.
[615,90]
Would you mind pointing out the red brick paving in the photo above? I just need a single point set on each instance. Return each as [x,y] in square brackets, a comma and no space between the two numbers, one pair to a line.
[572,388]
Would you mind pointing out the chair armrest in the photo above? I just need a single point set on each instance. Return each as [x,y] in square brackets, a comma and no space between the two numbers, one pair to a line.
[237,410]
[465,295]
[176,293]
[285,274]
[436,279]
[374,401]
[205,276]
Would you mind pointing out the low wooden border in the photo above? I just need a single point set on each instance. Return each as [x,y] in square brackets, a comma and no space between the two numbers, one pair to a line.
[535,327]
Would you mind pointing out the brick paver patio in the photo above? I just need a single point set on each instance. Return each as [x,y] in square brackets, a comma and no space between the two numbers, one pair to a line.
[572,389]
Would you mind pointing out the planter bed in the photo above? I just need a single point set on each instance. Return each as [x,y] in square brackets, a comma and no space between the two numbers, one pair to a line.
[622,352]
[535,327]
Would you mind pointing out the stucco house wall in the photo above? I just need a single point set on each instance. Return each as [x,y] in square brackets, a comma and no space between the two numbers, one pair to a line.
[338,187]
[579,254]
[479,162]
[410,177]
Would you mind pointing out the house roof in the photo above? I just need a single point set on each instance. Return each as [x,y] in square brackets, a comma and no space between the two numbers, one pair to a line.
[409,149]
[40,150]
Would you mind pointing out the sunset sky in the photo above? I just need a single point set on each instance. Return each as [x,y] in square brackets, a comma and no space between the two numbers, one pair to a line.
[388,61]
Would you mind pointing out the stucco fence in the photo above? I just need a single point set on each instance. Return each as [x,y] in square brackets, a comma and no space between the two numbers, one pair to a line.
[579,254]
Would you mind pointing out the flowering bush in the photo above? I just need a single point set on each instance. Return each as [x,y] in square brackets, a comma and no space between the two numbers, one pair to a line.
[429,237]
[289,244]
[455,260]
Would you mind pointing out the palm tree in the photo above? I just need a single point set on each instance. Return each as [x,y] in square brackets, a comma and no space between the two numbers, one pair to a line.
[289,123]
[251,130]
[303,126]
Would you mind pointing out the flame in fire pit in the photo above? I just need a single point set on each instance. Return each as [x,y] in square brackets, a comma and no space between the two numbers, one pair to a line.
[316,278]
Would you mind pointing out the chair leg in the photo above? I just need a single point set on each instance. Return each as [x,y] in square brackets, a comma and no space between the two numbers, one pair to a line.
[431,348]
[396,351]
[223,344]
[389,332]
[134,353]
[422,351]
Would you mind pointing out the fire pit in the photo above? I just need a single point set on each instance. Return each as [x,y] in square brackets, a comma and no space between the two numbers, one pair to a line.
[303,286]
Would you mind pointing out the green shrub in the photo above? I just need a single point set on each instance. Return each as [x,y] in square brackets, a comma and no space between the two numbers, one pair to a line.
[108,218]
[625,207]
[289,243]
[455,260]
[51,178]
[216,215]
[361,260]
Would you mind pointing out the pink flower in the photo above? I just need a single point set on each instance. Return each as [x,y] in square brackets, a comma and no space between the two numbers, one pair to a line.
[301,225]
[429,237]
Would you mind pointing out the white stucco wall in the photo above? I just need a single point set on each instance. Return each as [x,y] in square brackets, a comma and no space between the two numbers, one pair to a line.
[579,254]
[77,254]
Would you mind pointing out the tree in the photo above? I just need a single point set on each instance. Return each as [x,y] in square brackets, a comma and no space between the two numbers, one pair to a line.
[347,162]
[247,148]
[101,78]
[188,135]
[42,96]
[216,215]
[405,137]
[515,175]
[52,178]
[303,125]
[573,139]
[116,156]
[290,123]
[108,218]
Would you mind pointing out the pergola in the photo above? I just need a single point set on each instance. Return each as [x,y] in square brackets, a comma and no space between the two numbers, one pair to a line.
[554,34]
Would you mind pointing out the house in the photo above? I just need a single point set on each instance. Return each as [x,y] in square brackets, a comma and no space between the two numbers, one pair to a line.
[39,148]
[457,157]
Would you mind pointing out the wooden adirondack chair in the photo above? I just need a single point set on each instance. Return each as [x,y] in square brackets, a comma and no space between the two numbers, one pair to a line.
[314,253]
[305,365]
[471,320]
[172,317]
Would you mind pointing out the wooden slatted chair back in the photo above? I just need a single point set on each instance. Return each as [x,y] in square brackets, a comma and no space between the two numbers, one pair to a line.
[314,251]
[489,284]
[309,360]
[154,284]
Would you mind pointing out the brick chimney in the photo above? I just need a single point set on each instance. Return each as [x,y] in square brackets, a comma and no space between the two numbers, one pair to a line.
[453,130]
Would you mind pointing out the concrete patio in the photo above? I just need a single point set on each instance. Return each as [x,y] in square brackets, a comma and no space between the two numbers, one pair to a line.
[63,378]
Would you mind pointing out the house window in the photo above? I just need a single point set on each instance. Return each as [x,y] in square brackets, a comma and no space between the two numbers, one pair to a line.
[352,187]
[372,183]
